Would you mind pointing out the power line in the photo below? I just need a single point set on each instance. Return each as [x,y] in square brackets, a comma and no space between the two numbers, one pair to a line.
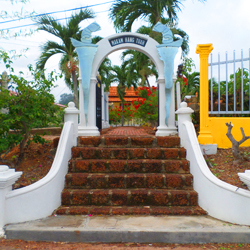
[54,12]
[60,92]
[22,26]
[20,44]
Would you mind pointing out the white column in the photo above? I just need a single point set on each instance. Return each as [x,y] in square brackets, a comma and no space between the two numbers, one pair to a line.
[162,110]
[172,129]
[107,109]
[81,106]
[90,128]
[103,106]
[178,94]
[7,178]
[163,129]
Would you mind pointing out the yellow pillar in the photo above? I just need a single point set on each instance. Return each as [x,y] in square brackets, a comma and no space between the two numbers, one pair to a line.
[205,136]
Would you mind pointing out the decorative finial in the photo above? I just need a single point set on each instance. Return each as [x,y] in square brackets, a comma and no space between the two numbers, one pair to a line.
[86,32]
[71,105]
[167,36]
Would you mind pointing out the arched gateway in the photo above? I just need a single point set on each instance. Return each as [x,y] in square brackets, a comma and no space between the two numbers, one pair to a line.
[91,57]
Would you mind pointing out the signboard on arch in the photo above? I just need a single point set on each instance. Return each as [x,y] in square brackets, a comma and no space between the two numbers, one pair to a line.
[128,39]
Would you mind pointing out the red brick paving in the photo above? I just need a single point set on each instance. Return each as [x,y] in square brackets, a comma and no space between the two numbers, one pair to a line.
[127,131]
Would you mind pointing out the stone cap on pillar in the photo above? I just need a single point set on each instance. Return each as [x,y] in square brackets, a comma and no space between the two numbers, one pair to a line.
[184,109]
[8,176]
[71,109]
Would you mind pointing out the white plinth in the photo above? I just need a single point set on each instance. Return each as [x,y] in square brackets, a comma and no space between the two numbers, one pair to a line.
[166,131]
[88,131]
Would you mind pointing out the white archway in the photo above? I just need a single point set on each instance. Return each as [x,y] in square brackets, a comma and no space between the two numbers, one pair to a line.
[105,48]
[108,45]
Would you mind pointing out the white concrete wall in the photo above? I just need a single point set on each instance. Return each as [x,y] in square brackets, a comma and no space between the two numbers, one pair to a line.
[41,198]
[220,199]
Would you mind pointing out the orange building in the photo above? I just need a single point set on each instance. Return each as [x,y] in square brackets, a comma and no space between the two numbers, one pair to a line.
[114,100]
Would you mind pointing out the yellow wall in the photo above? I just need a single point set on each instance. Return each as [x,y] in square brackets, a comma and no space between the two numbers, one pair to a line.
[213,129]
[217,127]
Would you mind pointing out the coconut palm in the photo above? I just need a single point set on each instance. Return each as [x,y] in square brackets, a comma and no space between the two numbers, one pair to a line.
[68,63]
[105,73]
[125,77]
[124,12]
[141,64]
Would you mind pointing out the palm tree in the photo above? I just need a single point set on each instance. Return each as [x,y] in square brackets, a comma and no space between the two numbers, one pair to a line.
[141,64]
[68,63]
[124,12]
[105,73]
[125,78]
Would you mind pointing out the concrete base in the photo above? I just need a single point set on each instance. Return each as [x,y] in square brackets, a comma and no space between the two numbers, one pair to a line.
[105,125]
[166,131]
[88,131]
[2,233]
[141,229]
[210,149]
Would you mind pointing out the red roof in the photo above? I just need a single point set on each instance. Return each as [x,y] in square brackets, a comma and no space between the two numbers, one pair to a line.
[130,96]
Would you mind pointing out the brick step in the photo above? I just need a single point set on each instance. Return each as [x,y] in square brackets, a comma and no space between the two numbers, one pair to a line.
[129,197]
[130,180]
[128,153]
[129,141]
[126,166]
[126,210]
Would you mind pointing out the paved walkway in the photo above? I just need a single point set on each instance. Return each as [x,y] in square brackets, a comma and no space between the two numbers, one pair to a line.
[127,131]
[140,229]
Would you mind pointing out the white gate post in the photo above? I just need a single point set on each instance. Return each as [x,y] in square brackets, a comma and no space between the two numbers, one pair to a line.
[81,104]
[7,178]
[103,106]
[90,128]
[107,109]
[163,129]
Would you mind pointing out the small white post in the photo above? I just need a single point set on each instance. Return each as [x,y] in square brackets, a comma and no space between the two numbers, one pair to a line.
[7,178]
[103,105]
[178,94]
[184,114]
[71,114]
[107,109]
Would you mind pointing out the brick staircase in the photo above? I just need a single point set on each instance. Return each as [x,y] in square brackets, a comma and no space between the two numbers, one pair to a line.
[129,175]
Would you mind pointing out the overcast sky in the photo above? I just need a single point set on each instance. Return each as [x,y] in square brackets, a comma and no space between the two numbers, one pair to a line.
[224,23]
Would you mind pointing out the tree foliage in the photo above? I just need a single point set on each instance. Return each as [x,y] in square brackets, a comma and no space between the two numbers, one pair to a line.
[189,79]
[124,12]
[69,61]
[143,110]
[147,106]
[66,98]
[28,104]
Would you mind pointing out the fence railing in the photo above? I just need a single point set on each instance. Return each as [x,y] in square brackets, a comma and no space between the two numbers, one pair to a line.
[229,85]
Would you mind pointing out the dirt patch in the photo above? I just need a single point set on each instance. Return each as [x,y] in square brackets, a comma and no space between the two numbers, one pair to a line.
[20,244]
[225,167]
[37,161]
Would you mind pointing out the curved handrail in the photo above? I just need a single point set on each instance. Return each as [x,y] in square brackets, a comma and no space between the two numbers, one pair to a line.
[220,199]
[41,198]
